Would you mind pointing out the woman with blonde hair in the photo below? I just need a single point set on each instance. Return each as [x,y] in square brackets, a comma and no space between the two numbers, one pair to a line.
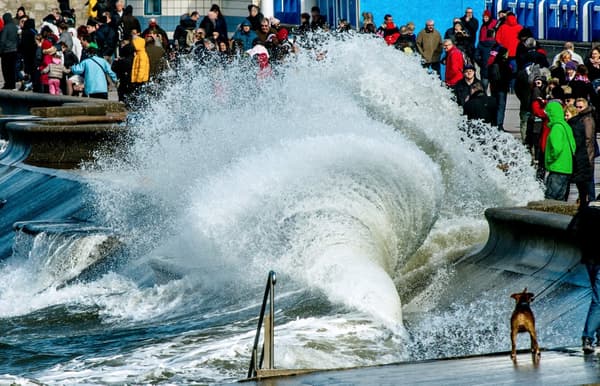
[558,69]
[368,26]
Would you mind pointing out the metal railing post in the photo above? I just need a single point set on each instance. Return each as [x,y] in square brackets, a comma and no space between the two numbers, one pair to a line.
[272,323]
[269,293]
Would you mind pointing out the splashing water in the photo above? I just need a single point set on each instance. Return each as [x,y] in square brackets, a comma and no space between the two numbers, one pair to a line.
[354,177]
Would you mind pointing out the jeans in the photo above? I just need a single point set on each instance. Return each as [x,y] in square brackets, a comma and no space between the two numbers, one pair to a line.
[523,118]
[485,83]
[501,102]
[556,186]
[592,322]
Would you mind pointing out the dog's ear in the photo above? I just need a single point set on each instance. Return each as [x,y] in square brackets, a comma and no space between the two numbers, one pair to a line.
[529,296]
[515,296]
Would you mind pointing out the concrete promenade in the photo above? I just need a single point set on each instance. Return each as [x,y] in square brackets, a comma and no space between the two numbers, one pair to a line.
[557,367]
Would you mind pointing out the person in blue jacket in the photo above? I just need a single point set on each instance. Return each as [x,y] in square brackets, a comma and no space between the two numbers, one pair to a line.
[245,35]
[94,70]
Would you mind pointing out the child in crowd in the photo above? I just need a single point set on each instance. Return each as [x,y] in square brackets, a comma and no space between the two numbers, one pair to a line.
[56,70]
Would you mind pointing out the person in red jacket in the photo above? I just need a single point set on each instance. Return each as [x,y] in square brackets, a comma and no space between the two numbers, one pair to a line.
[488,23]
[508,37]
[454,63]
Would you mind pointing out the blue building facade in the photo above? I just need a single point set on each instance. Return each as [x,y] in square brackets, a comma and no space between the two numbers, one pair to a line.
[441,12]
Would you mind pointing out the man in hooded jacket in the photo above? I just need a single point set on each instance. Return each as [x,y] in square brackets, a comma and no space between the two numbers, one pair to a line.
[9,40]
[558,157]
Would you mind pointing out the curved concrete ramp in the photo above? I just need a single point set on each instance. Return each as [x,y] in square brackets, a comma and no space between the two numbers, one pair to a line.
[531,243]
[35,195]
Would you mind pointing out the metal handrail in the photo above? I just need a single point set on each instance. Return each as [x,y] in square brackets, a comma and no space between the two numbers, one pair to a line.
[269,294]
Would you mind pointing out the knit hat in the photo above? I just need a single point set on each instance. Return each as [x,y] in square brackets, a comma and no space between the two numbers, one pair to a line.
[282,34]
[246,22]
[487,13]
[571,66]
[468,67]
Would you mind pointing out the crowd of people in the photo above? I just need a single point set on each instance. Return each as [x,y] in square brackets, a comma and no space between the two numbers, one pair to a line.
[483,62]
[112,49]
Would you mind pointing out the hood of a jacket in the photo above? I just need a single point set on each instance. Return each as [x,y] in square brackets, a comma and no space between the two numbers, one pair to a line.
[511,20]
[7,18]
[138,44]
[29,24]
[555,112]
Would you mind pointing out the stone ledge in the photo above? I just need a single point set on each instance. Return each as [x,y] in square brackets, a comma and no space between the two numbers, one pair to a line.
[62,146]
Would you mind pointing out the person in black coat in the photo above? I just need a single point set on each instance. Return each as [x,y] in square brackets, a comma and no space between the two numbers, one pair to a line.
[462,90]
[9,41]
[254,17]
[582,168]
[481,106]
[214,21]
[471,24]
[122,67]
[27,46]
[130,22]
[500,75]
[106,38]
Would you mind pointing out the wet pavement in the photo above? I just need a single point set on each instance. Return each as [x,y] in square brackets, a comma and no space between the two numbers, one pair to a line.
[555,367]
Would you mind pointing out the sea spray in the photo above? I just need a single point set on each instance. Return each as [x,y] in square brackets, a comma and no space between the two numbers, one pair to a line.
[353,177]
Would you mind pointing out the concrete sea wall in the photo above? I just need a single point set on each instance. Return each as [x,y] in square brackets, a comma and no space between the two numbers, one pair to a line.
[48,136]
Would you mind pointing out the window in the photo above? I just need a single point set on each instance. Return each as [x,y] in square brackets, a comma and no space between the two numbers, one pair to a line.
[152,7]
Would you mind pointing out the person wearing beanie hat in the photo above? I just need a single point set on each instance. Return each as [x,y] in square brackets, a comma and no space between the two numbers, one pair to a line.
[571,65]
[487,24]
[282,34]
[462,89]
[570,72]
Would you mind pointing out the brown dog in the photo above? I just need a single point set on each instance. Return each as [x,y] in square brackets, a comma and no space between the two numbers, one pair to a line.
[522,320]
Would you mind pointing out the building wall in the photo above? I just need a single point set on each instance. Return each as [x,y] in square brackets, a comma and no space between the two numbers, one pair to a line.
[403,11]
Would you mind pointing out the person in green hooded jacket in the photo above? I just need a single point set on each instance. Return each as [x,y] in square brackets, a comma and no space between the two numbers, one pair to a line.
[560,148]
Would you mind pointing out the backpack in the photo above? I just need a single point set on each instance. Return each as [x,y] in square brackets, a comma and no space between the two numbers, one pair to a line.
[535,70]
